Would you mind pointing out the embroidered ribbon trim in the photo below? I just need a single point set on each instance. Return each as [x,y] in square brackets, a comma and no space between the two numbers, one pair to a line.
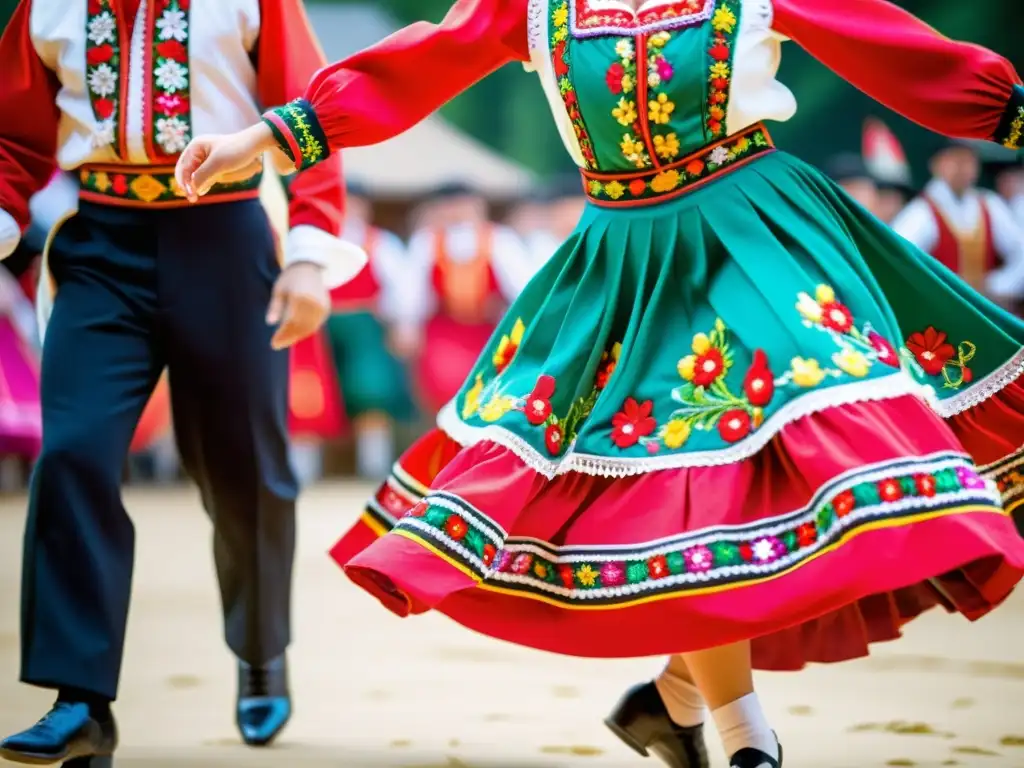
[299,133]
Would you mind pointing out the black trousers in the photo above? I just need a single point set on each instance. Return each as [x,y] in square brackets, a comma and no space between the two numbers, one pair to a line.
[139,291]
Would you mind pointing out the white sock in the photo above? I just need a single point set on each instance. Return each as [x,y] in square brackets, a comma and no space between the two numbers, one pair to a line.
[742,723]
[683,701]
[375,452]
[307,462]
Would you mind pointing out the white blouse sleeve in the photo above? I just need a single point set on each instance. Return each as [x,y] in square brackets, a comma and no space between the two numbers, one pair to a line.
[917,224]
[513,264]
[1007,282]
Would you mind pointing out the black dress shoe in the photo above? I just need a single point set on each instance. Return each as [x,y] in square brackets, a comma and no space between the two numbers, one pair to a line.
[264,703]
[755,758]
[643,724]
[68,731]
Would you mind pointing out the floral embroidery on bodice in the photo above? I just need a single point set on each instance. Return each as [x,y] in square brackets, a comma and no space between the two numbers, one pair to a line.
[638,90]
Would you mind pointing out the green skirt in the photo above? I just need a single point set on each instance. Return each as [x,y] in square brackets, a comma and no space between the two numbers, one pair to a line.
[752,412]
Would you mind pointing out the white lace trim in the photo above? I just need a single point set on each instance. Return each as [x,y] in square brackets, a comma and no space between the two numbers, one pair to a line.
[537,25]
[897,385]
[981,390]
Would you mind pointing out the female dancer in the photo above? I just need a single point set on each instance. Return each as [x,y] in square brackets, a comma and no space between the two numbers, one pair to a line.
[727,420]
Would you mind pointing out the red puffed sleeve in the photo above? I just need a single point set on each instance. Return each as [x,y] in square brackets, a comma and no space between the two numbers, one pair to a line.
[388,88]
[288,55]
[28,130]
[954,88]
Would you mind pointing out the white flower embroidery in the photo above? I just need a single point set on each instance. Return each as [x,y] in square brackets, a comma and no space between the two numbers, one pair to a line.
[103,136]
[172,134]
[103,80]
[173,26]
[763,550]
[102,29]
[719,156]
[624,49]
[171,76]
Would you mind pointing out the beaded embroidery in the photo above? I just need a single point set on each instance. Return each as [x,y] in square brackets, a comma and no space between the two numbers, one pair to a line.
[562,68]
[725,23]
[592,19]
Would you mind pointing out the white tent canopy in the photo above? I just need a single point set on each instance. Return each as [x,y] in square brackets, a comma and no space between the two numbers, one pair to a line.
[428,155]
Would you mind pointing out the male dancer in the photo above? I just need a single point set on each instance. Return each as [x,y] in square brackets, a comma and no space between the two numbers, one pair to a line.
[113,90]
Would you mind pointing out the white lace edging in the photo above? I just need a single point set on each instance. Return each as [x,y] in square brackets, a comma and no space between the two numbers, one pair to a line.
[981,390]
[898,384]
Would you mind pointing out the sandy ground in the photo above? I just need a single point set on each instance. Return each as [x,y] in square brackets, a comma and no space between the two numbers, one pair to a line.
[376,691]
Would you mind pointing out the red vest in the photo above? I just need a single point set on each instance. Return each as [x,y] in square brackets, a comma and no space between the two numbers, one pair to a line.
[971,255]
[361,293]
[467,291]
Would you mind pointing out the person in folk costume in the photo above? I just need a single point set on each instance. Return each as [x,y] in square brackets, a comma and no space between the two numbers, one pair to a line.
[849,172]
[374,382]
[528,218]
[1007,173]
[888,165]
[112,90]
[461,272]
[968,230]
[737,424]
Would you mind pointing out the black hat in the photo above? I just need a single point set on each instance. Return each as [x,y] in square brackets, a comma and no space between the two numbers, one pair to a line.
[452,189]
[356,188]
[846,167]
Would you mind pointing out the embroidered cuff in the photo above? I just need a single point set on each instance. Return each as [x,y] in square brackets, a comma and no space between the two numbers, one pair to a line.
[298,132]
[10,234]
[341,260]
[1011,128]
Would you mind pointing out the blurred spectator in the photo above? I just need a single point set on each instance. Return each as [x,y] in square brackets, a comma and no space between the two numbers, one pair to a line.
[887,164]
[849,171]
[528,218]
[1008,177]
[970,231]
[462,272]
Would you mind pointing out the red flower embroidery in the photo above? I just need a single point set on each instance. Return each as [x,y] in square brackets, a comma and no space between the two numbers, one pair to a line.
[172,104]
[695,167]
[172,49]
[718,97]
[931,350]
[708,367]
[95,7]
[456,528]
[836,316]
[637,188]
[419,510]
[890,490]
[614,77]
[101,54]
[561,66]
[806,534]
[119,184]
[746,552]
[182,4]
[489,553]
[719,51]
[553,439]
[522,563]
[715,127]
[967,374]
[104,108]
[632,422]
[885,351]
[844,503]
[734,425]
[566,575]
[538,404]
[925,485]
[657,567]
[759,385]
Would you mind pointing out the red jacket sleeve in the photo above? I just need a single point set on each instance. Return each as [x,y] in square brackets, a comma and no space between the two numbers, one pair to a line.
[287,57]
[28,132]
[388,88]
[954,88]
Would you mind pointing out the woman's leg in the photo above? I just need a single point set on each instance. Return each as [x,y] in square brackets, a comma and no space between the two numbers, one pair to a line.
[725,679]
[680,694]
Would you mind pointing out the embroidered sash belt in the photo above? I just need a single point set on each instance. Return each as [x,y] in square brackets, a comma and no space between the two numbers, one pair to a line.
[136,186]
[659,184]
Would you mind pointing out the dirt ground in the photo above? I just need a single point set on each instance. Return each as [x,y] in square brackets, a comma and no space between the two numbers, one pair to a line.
[376,691]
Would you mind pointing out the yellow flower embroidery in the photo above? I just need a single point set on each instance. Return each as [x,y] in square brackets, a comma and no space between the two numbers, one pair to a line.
[667,146]
[625,112]
[472,403]
[627,84]
[724,20]
[720,70]
[806,373]
[587,576]
[562,33]
[497,407]
[660,109]
[824,294]
[540,570]
[595,187]
[561,15]
[852,362]
[686,367]
[677,432]
[102,182]
[741,146]
[701,344]
[658,40]
[634,150]
[665,181]
[509,345]
[808,307]
[614,190]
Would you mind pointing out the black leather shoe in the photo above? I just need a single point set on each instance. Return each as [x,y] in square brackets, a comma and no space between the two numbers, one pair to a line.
[68,731]
[264,703]
[755,758]
[643,724]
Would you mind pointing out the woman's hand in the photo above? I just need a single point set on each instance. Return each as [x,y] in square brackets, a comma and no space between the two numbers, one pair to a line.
[209,160]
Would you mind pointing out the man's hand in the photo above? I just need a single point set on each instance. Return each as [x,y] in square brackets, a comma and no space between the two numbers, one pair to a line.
[299,305]
[209,160]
